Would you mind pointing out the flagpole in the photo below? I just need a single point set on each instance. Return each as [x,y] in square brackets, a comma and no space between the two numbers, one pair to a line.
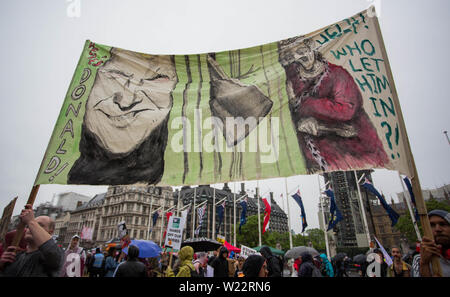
[234,215]
[361,207]
[289,213]
[178,203]
[321,200]
[408,202]
[259,219]
[193,213]
[327,245]
[417,190]
[214,215]
[162,223]
[150,218]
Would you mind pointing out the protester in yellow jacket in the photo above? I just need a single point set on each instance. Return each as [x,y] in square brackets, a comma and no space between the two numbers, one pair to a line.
[185,255]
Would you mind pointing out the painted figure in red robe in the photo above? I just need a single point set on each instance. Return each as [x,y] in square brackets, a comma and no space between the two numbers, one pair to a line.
[333,130]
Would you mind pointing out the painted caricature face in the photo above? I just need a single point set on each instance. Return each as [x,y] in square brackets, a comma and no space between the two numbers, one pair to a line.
[130,97]
[305,56]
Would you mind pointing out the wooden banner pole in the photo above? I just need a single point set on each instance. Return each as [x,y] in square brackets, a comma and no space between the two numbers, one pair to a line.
[417,190]
[21,227]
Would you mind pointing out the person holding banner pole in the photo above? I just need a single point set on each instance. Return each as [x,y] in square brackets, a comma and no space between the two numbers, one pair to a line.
[417,190]
[289,213]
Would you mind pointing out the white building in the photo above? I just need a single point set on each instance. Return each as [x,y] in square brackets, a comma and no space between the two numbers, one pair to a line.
[69,200]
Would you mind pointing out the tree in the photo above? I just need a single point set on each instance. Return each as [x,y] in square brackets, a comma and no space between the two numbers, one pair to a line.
[249,235]
[405,225]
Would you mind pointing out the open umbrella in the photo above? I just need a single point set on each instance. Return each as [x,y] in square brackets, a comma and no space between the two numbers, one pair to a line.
[359,259]
[340,256]
[202,244]
[147,248]
[295,252]
[273,250]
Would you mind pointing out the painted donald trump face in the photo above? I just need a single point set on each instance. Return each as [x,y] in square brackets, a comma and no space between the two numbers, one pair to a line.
[131,96]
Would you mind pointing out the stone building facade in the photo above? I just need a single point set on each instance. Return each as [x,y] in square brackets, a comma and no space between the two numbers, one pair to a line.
[134,205]
[86,215]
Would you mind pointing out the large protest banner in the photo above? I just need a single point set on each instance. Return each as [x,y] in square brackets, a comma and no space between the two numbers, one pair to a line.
[315,103]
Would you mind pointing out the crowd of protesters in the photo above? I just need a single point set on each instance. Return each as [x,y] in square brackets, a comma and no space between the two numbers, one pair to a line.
[37,254]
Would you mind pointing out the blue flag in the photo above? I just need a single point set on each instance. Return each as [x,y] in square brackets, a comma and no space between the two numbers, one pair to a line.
[243,220]
[391,213]
[220,213]
[154,218]
[413,199]
[299,201]
[335,213]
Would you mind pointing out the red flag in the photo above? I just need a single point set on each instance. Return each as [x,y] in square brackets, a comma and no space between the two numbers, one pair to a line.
[267,212]
[168,215]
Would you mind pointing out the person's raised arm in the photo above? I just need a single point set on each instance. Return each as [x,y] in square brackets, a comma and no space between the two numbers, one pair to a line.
[40,235]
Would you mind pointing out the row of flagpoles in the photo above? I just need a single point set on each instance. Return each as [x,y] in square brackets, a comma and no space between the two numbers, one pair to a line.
[334,218]
[327,192]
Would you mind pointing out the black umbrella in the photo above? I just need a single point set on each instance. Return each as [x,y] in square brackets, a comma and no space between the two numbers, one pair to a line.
[340,256]
[359,259]
[202,244]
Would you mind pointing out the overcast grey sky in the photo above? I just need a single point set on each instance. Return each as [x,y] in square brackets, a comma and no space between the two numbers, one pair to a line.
[41,46]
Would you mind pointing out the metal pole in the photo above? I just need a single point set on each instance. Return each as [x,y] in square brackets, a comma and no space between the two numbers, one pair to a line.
[193,214]
[214,215]
[259,219]
[234,215]
[321,200]
[289,213]
[408,199]
[178,203]
[327,245]
[162,223]
[150,218]
[361,206]
[446,134]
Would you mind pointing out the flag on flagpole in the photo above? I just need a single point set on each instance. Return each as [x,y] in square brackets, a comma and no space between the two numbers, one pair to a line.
[413,198]
[335,214]
[391,213]
[154,219]
[184,214]
[200,213]
[387,258]
[299,201]
[267,211]
[243,220]
[220,213]
[168,215]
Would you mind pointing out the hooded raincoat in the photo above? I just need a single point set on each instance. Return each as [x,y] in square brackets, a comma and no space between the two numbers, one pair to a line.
[328,266]
[185,255]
